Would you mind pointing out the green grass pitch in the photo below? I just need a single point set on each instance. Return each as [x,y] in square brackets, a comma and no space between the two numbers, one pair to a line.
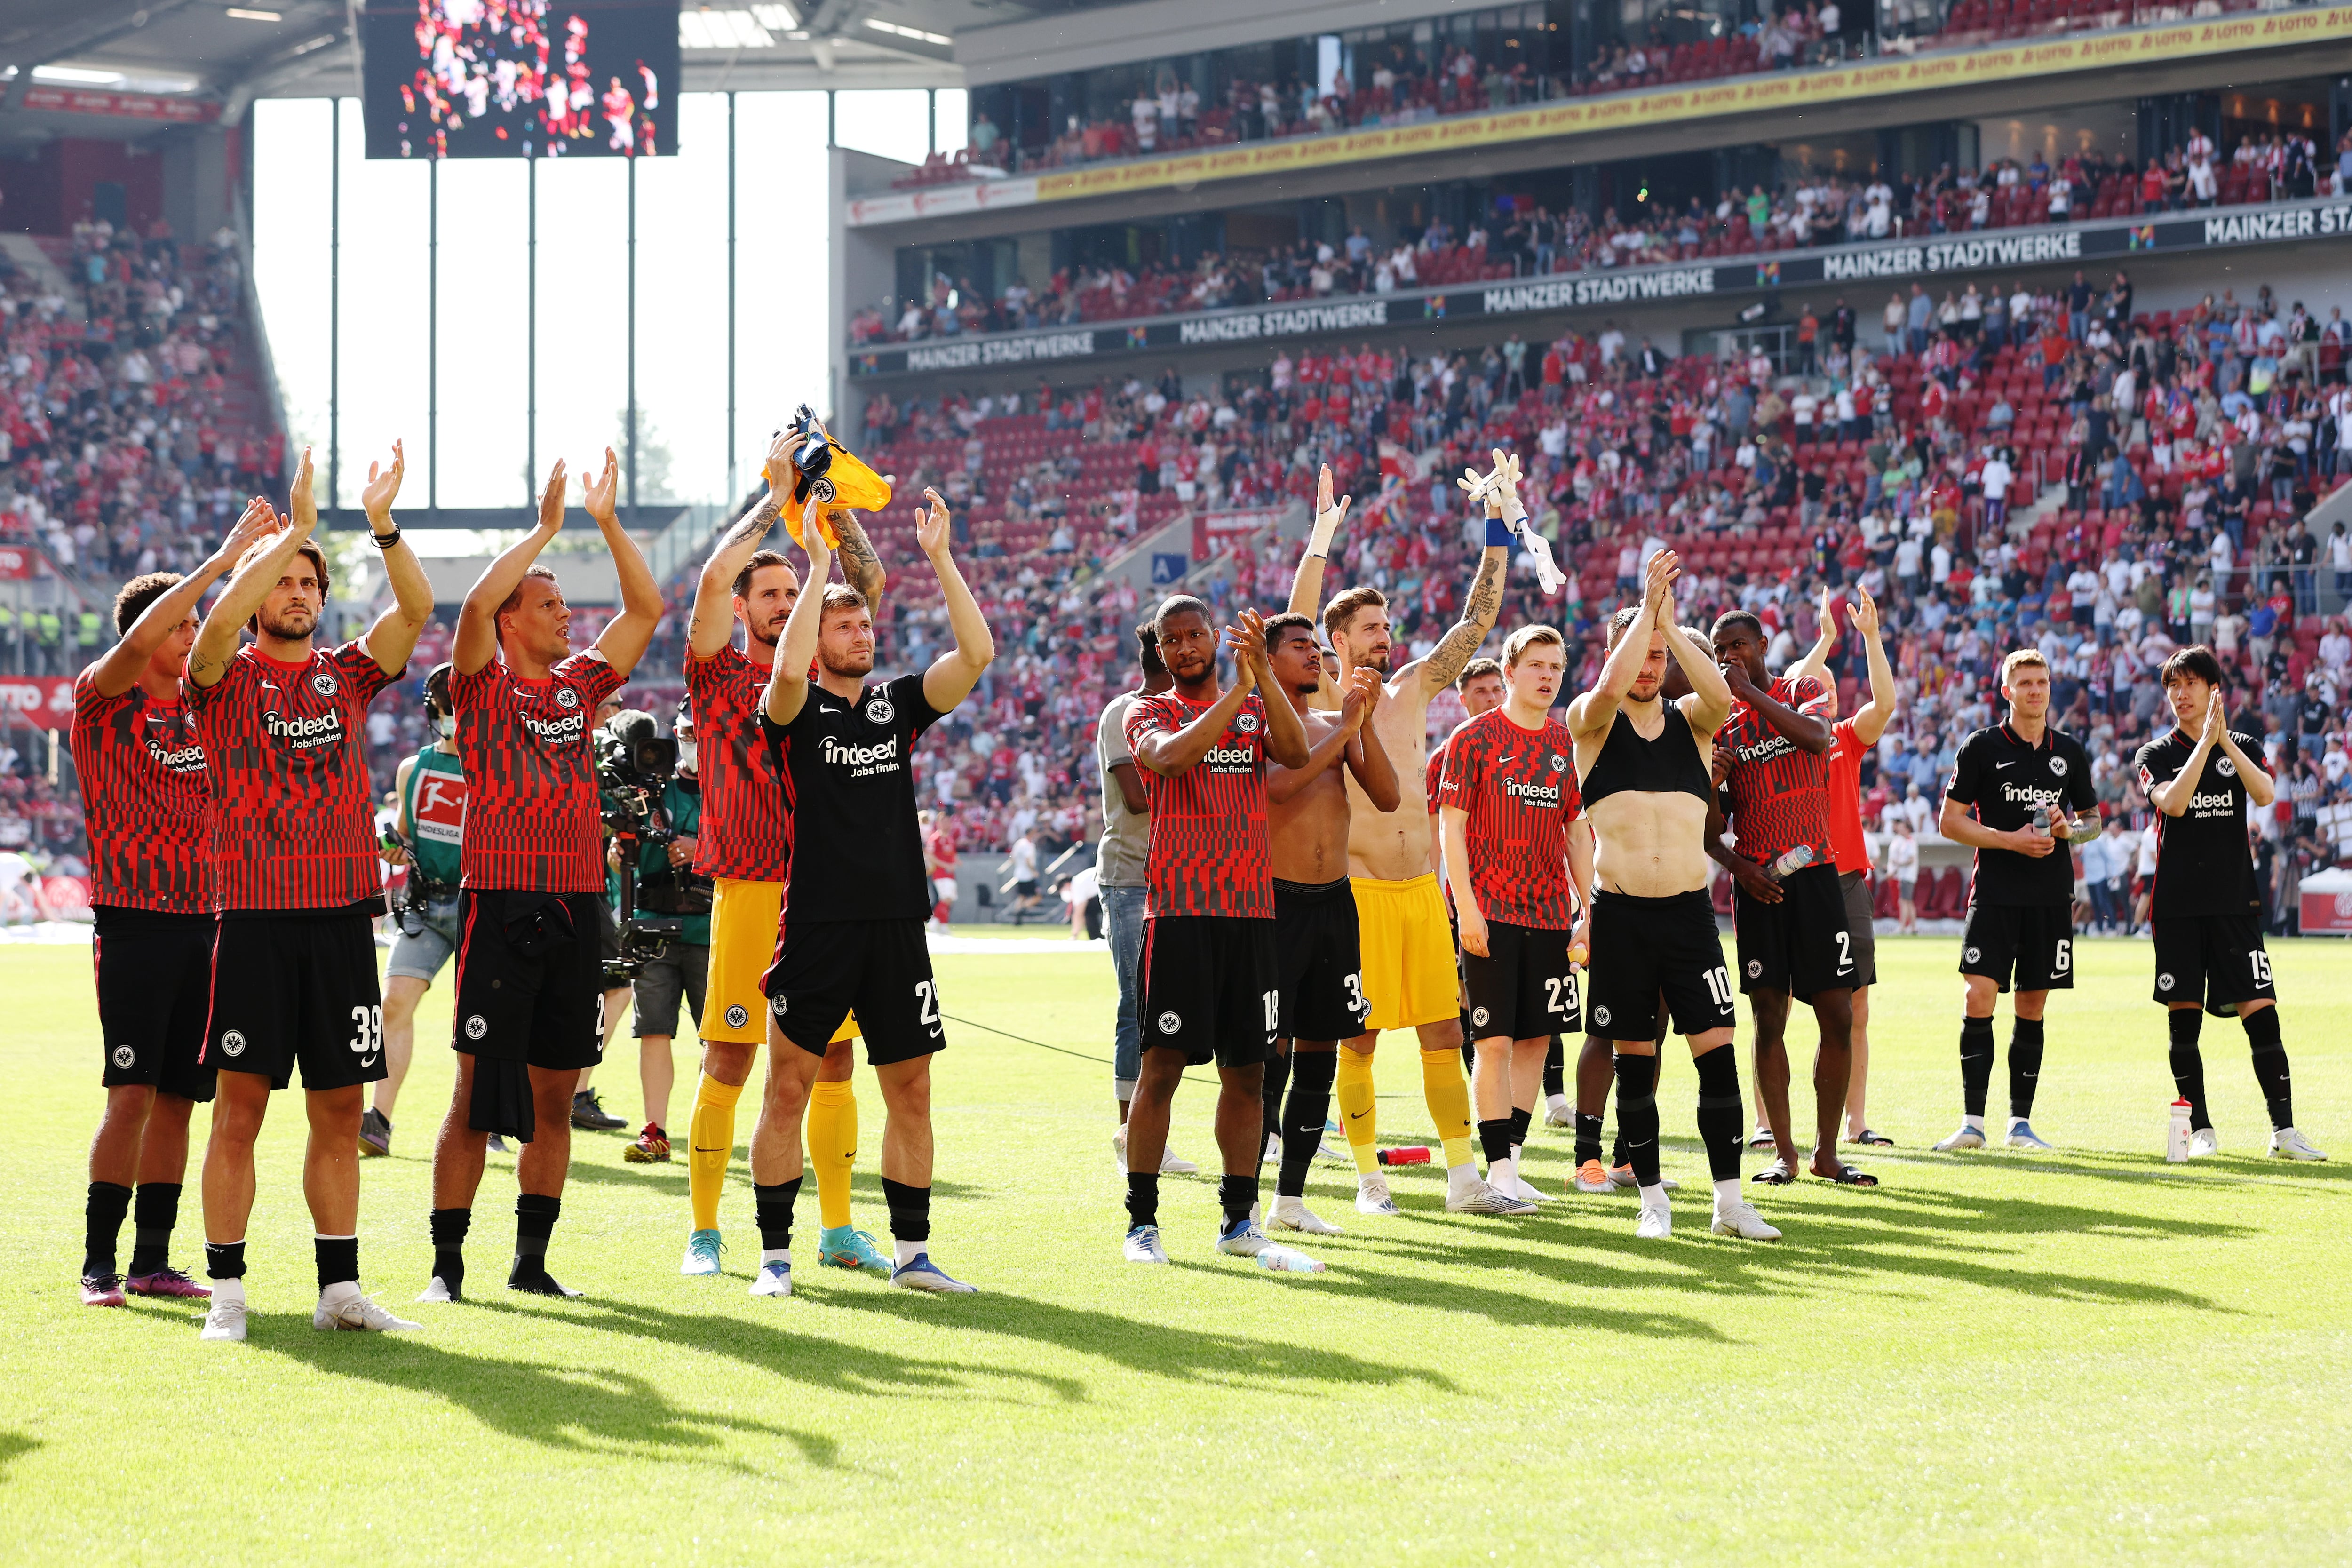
[2085,1356]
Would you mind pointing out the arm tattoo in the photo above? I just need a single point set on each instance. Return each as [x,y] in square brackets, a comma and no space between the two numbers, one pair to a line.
[754,524]
[1461,644]
[858,562]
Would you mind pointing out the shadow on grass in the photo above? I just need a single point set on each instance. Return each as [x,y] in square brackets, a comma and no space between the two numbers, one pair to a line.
[588,1410]
[14,1446]
[671,1179]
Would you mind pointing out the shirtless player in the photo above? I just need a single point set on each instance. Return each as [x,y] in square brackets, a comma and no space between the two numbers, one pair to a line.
[1644,770]
[1317,953]
[1410,978]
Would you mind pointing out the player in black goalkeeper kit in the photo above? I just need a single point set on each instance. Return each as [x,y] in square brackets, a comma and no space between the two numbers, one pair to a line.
[2207,911]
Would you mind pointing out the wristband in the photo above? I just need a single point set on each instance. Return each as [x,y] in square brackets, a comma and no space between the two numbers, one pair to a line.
[1498,534]
[386,541]
[1318,540]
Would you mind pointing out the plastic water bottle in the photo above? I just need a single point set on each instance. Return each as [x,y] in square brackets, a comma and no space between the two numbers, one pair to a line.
[1282,1260]
[1579,953]
[2042,820]
[2175,1137]
[1795,860]
[1417,1154]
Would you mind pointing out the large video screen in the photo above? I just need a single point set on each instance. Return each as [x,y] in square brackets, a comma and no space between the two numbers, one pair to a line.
[521,79]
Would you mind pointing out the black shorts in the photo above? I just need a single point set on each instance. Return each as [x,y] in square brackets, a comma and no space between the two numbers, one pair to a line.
[881,970]
[1799,945]
[530,979]
[1209,988]
[1642,948]
[296,985]
[1861,917]
[1318,962]
[2218,959]
[1525,987]
[154,987]
[2029,946]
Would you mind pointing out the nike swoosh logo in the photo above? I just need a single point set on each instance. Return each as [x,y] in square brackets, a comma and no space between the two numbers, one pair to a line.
[1998,765]
[1357,1115]
[367,1061]
[700,1149]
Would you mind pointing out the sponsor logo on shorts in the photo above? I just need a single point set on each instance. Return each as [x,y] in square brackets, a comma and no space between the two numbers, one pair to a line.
[1169,1024]
[1972,954]
[2057,767]
[566,698]
[323,684]
[476,1026]
[879,711]
[738,1015]
[1755,968]
[778,1004]
[232,1043]
[2229,769]
[2163,983]
[1601,1015]
[1479,1015]
[1246,723]
[125,1055]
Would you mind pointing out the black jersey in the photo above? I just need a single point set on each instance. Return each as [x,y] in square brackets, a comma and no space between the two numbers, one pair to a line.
[1670,764]
[2005,779]
[2203,866]
[847,770]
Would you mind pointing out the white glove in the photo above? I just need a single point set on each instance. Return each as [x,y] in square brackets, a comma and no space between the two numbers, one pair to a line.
[1548,572]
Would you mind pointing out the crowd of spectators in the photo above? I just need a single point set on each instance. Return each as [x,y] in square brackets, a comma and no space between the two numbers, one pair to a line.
[1808,209]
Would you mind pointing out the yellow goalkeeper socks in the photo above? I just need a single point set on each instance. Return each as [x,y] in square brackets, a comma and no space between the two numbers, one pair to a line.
[710,1143]
[1448,1094]
[1352,1086]
[832,1145]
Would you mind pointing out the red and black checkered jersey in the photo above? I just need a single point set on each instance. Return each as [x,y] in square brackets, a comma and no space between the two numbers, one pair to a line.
[146,800]
[1431,775]
[1780,794]
[1519,786]
[532,819]
[1208,852]
[747,830]
[293,812]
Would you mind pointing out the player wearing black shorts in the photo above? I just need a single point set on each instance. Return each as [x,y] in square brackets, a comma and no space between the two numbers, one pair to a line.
[1319,958]
[1641,762]
[147,808]
[298,883]
[1210,991]
[1791,922]
[856,892]
[2020,930]
[529,1011]
[2207,911]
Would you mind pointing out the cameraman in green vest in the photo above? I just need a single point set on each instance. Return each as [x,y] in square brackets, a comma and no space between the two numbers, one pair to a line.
[667,889]
[430,815]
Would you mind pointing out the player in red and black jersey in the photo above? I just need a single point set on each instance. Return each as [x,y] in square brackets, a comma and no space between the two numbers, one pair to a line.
[856,890]
[1211,991]
[530,1007]
[745,847]
[1790,924]
[299,883]
[146,802]
[1519,863]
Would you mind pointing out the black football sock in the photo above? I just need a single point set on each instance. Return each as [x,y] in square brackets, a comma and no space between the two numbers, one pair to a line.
[1588,1137]
[1520,1122]
[449,1227]
[1495,1139]
[1278,1074]
[2270,1065]
[2189,1063]
[1237,1195]
[1637,1115]
[1617,1152]
[1142,1197]
[338,1260]
[1302,1124]
[225,1260]
[911,1211]
[1555,1069]
[102,1226]
[2024,1066]
[1976,1064]
[535,1217]
[154,1211]
[773,1206]
[1722,1115]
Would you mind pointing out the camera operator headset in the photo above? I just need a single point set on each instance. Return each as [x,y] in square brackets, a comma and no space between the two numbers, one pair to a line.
[430,792]
[673,907]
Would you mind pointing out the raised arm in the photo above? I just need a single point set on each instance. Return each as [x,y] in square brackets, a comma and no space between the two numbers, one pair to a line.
[1285,732]
[1460,645]
[1870,721]
[1367,758]
[2260,790]
[954,673]
[1709,703]
[394,637]
[1307,583]
[1816,662]
[477,642]
[710,625]
[1806,732]
[117,669]
[859,563]
[217,638]
[623,641]
[788,681]
[1592,713]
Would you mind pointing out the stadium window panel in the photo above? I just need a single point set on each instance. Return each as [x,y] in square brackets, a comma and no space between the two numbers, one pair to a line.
[381,326]
[484,357]
[291,241]
[887,122]
[784,242]
[682,312]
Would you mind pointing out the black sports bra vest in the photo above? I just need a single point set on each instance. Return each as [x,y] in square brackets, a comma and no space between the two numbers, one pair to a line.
[1669,763]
